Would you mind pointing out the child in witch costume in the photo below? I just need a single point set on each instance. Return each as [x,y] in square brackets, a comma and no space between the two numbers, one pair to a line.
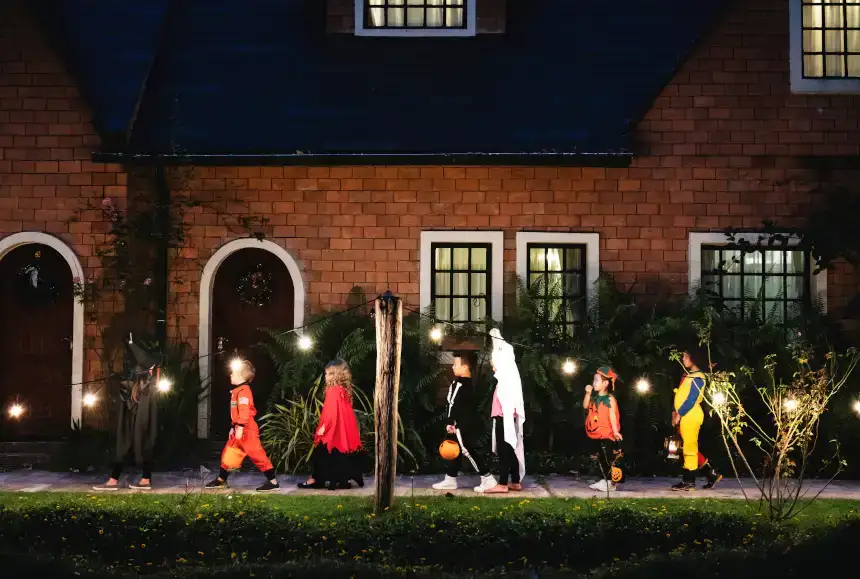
[461,417]
[337,441]
[508,414]
[137,425]
[245,435]
[603,424]
[688,417]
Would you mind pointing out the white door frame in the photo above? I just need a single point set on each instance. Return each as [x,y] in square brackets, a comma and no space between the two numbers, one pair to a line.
[76,386]
[207,288]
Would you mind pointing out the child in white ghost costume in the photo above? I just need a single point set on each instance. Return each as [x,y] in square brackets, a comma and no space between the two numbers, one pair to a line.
[508,414]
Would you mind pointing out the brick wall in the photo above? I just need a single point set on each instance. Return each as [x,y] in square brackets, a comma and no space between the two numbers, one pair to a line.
[46,142]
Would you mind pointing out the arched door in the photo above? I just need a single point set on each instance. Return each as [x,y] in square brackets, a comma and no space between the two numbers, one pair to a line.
[240,307]
[36,309]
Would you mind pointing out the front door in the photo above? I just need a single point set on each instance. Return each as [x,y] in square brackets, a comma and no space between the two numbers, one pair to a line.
[36,309]
[253,289]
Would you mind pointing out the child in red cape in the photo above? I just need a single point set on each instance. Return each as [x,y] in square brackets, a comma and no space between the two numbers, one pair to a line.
[337,440]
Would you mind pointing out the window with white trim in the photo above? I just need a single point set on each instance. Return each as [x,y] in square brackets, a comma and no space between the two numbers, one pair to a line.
[461,275]
[560,269]
[769,283]
[415,17]
[825,45]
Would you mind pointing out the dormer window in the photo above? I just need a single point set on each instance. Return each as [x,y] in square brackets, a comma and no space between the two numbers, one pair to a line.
[415,17]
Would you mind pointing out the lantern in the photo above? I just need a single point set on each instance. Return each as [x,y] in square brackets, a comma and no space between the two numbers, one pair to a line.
[673,447]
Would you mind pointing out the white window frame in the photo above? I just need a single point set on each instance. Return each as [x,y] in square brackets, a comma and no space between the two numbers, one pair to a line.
[469,30]
[817,282]
[496,240]
[799,84]
[591,241]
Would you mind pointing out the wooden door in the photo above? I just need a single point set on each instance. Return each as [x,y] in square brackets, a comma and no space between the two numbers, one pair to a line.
[35,340]
[238,323]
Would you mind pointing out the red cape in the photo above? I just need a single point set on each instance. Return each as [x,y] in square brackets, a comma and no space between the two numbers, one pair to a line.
[341,425]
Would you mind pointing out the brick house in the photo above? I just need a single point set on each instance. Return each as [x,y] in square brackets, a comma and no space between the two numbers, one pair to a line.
[437,149]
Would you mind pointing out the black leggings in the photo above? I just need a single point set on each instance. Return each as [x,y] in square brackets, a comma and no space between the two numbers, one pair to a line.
[146,468]
[608,454]
[509,466]
[468,455]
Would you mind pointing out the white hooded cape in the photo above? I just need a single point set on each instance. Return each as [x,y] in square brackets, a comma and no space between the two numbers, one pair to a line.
[510,393]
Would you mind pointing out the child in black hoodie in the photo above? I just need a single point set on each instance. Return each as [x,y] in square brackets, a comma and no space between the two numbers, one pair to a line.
[462,421]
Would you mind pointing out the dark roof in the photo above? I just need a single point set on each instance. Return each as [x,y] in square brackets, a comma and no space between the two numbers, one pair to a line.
[263,77]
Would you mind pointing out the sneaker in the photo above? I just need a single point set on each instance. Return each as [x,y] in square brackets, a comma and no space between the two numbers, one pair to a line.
[216,484]
[106,487]
[449,483]
[713,482]
[684,486]
[487,482]
[140,487]
[268,487]
[603,486]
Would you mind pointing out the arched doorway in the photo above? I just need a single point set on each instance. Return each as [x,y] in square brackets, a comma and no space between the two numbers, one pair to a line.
[37,306]
[227,318]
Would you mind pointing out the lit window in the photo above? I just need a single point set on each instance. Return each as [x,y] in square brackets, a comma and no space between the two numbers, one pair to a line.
[459,285]
[556,275]
[831,38]
[415,17]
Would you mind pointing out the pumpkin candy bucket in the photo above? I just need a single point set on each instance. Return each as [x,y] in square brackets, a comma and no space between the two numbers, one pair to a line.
[232,457]
[449,449]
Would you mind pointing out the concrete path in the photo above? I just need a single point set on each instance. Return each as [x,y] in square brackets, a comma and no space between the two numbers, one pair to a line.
[32,481]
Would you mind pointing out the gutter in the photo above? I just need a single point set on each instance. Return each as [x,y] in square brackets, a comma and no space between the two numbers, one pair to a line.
[621,158]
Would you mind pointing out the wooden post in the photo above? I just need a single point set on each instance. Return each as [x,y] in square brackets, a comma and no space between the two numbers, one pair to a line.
[389,340]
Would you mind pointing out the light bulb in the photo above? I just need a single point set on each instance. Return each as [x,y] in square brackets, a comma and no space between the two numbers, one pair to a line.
[436,334]
[90,399]
[857,407]
[236,364]
[642,386]
[790,405]
[718,398]
[16,410]
[305,343]
[569,367]
[164,385]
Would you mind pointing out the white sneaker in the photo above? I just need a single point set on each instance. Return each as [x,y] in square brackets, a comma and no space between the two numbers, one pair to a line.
[603,486]
[487,482]
[449,483]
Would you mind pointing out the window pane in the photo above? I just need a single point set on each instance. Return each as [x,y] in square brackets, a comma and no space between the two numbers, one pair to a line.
[834,65]
[395,17]
[773,261]
[833,17]
[752,262]
[554,310]
[554,284]
[553,259]
[812,17]
[812,41]
[710,260]
[443,309]
[733,305]
[711,283]
[572,284]
[536,283]
[573,258]
[752,287]
[461,284]
[813,66]
[731,261]
[775,312]
[461,258]
[773,287]
[536,258]
[479,259]
[854,64]
[833,41]
[435,17]
[443,284]
[415,17]
[796,262]
[454,17]
[752,310]
[794,287]
[479,310]
[732,287]
[443,258]
[479,284]
[377,16]
[460,309]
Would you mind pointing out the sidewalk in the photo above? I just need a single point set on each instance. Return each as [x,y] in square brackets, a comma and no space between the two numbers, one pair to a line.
[27,481]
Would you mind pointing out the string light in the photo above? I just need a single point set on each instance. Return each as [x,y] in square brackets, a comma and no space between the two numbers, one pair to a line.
[436,334]
[16,411]
[643,386]
[90,399]
[236,364]
[857,406]
[164,385]
[569,367]
[718,398]
[790,405]
[305,343]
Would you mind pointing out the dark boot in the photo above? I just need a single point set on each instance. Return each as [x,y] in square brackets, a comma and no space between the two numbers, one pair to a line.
[688,482]
[711,474]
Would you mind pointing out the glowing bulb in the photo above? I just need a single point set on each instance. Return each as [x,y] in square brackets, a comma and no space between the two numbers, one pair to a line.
[569,367]
[16,410]
[305,343]
[790,405]
[236,364]
[436,334]
[642,386]
[857,407]
[718,398]
[90,400]
[164,385]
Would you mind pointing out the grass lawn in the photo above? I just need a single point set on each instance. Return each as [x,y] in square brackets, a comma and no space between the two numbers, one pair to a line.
[198,534]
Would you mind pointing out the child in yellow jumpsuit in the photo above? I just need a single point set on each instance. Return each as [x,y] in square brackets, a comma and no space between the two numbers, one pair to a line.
[688,416]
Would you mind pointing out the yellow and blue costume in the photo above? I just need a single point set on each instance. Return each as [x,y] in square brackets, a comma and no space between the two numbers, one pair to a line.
[688,405]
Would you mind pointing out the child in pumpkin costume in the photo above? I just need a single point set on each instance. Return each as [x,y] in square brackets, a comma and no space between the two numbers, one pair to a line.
[688,417]
[603,425]
[245,435]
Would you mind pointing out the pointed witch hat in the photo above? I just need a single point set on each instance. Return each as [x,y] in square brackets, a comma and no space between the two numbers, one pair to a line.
[142,360]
